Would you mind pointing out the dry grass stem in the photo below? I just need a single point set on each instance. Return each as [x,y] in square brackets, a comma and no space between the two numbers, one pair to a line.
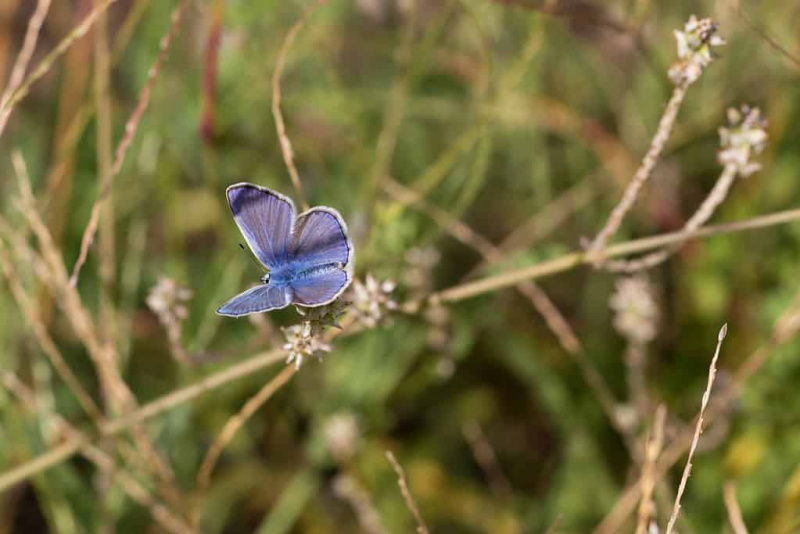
[786,328]
[24,57]
[280,126]
[349,489]
[712,371]
[700,217]
[236,422]
[7,106]
[732,506]
[574,259]
[101,459]
[648,482]
[403,483]
[130,131]
[44,340]
[148,411]
[663,132]
[485,457]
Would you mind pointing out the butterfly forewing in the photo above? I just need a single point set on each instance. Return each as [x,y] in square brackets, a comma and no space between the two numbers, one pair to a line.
[265,219]
[258,299]
[320,238]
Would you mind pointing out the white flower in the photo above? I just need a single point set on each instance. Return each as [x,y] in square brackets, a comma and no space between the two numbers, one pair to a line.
[372,300]
[744,138]
[636,311]
[302,341]
[695,52]
[341,435]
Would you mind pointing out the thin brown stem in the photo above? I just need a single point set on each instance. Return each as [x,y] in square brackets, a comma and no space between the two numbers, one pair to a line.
[732,506]
[642,174]
[654,444]
[280,126]
[236,422]
[407,497]
[130,131]
[712,372]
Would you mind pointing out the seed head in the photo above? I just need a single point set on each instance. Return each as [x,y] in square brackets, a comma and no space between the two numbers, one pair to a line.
[744,137]
[695,49]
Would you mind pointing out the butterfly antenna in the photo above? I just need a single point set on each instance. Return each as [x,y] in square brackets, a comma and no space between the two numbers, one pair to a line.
[255,261]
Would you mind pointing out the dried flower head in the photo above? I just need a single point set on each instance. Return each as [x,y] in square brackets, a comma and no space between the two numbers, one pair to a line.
[322,316]
[636,311]
[372,300]
[695,49]
[744,138]
[303,341]
[168,300]
[341,435]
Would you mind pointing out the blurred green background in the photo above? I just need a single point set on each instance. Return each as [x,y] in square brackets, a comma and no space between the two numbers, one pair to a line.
[505,114]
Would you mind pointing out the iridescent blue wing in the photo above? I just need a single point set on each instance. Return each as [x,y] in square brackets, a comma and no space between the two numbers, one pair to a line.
[320,289]
[258,299]
[265,219]
[320,243]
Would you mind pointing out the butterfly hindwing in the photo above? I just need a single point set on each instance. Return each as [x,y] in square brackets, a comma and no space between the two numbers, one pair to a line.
[261,298]
[265,219]
[320,289]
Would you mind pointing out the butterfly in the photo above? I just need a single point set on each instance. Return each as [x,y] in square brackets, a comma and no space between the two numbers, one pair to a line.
[309,257]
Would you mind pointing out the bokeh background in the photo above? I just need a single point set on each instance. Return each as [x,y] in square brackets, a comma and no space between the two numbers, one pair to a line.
[520,118]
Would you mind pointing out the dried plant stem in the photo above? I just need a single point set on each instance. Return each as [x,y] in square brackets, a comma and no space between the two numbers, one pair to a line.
[700,217]
[236,422]
[642,174]
[484,455]
[541,302]
[102,356]
[401,481]
[712,371]
[130,131]
[280,126]
[732,506]
[102,460]
[24,57]
[46,343]
[348,488]
[635,363]
[103,123]
[148,411]
[785,329]
[574,259]
[648,482]
[7,106]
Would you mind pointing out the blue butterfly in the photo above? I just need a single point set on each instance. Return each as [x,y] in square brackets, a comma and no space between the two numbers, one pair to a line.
[309,257]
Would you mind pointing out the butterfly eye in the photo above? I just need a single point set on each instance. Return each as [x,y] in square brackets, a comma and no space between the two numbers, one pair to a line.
[265,278]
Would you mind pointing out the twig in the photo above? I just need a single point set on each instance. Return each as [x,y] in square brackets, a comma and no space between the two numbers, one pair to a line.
[280,126]
[785,329]
[46,343]
[24,57]
[129,484]
[487,460]
[703,214]
[732,506]
[401,481]
[148,411]
[574,259]
[349,489]
[7,106]
[654,444]
[642,174]
[552,316]
[236,422]
[130,131]
[712,371]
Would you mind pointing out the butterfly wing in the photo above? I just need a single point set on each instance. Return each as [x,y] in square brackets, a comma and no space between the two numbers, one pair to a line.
[265,219]
[261,298]
[320,240]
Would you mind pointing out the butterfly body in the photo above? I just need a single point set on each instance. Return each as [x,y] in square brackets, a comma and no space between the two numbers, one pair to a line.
[309,256]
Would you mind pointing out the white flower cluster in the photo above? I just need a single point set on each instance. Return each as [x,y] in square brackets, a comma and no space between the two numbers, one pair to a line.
[636,310]
[302,340]
[695,52]
[744,138]
[371,301]
[168,301]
